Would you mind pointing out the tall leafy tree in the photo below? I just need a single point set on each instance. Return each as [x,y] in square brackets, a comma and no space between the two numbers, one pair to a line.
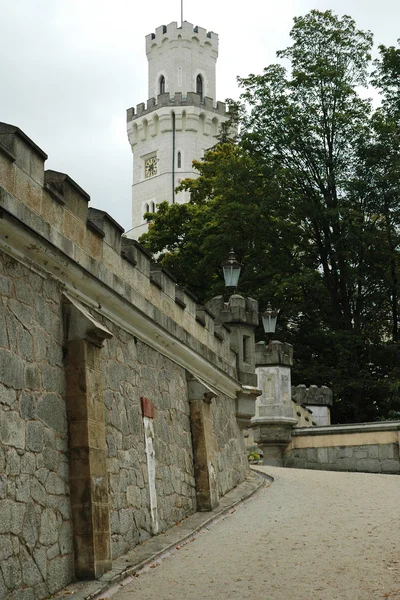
[308,200]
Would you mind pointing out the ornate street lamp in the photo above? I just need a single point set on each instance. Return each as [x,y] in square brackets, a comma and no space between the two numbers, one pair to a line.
[231,268]
[269,317]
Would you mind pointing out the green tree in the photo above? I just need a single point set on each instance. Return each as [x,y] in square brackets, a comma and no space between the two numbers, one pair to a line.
[305,202]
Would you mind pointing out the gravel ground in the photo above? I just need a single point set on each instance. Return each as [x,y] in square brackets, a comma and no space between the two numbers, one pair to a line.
[311,535]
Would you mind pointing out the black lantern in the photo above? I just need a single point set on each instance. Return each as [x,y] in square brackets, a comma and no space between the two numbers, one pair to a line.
[231,268]
[269,317]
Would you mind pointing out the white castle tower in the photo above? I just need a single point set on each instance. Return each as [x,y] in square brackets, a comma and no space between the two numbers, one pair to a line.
[180,121]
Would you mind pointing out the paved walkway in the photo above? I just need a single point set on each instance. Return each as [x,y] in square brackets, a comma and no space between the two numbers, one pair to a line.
[311,535]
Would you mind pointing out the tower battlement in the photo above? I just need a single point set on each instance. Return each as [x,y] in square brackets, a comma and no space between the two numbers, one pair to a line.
[190,99]
[188,32]
[180,120]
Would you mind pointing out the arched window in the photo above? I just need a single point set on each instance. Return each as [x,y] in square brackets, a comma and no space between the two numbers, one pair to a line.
[146,208]
[162,84]
[199,85]
[152,207]
[179,160]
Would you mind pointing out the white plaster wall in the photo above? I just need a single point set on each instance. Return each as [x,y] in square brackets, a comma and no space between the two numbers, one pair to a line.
[321,414]
[195,130]
[194,52]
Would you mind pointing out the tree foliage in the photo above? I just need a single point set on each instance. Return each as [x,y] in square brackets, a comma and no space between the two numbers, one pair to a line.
[309,200]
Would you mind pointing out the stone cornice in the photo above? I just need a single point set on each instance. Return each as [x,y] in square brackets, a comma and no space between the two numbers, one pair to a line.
[158,331]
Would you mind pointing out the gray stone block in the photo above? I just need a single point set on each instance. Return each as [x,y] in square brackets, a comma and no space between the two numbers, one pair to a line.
[22,312]
[53,551]
[22,488]
[28,463]
[11,370]
[40,591]
[5,286]
[390,466]
[34,436]
[12,430]
[51,410]
[22,594]
[8,396]
[54,485]
[3,327]
[12,573]
[368,465]
[30,530]
[38,493]
[60,573]
[32,378]
[53,379]
[323,456]
[48,528]
[332,455]
[25,344]
[27,405]
[389,451]
[346,464]
[30,573]
[43,314]
[6,549]
[40,557]
[3,589]
[65,538]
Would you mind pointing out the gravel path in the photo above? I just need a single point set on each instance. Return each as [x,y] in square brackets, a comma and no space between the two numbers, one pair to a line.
[311,535]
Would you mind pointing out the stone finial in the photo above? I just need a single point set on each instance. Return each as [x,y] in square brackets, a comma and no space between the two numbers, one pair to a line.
[237,310]
[274,353]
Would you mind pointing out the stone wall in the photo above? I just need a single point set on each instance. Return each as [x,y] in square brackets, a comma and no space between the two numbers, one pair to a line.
[107,368]
[35,520]
[366,447]
[231,456]
[131,370]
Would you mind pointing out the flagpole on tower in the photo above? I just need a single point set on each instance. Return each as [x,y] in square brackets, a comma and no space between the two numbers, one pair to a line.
[181,13]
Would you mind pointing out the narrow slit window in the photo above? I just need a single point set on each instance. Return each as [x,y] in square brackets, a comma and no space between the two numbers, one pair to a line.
[179,160]
[162,84]
[199,85]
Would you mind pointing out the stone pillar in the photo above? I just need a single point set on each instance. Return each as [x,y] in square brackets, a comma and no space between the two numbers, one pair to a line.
[273,421]
[200,397]
[87,441]
[241,316]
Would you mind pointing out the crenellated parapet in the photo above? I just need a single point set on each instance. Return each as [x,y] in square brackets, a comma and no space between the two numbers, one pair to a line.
[237,309]
[318,400]
[177,100]
[47,222]
[186,33]
[313,395]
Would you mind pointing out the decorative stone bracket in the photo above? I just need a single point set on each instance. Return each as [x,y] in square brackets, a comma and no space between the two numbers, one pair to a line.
[87,440]
[246,405]
[200,397]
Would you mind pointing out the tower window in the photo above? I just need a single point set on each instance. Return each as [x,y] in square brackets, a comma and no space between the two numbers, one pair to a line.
[199,85]
[162,84]
[179,160]
[152,207]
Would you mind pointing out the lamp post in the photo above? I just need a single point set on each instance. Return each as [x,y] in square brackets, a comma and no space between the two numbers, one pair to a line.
[269,318]
[231,268]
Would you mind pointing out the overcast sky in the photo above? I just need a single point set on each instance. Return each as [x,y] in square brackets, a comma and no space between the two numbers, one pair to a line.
[70,69]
